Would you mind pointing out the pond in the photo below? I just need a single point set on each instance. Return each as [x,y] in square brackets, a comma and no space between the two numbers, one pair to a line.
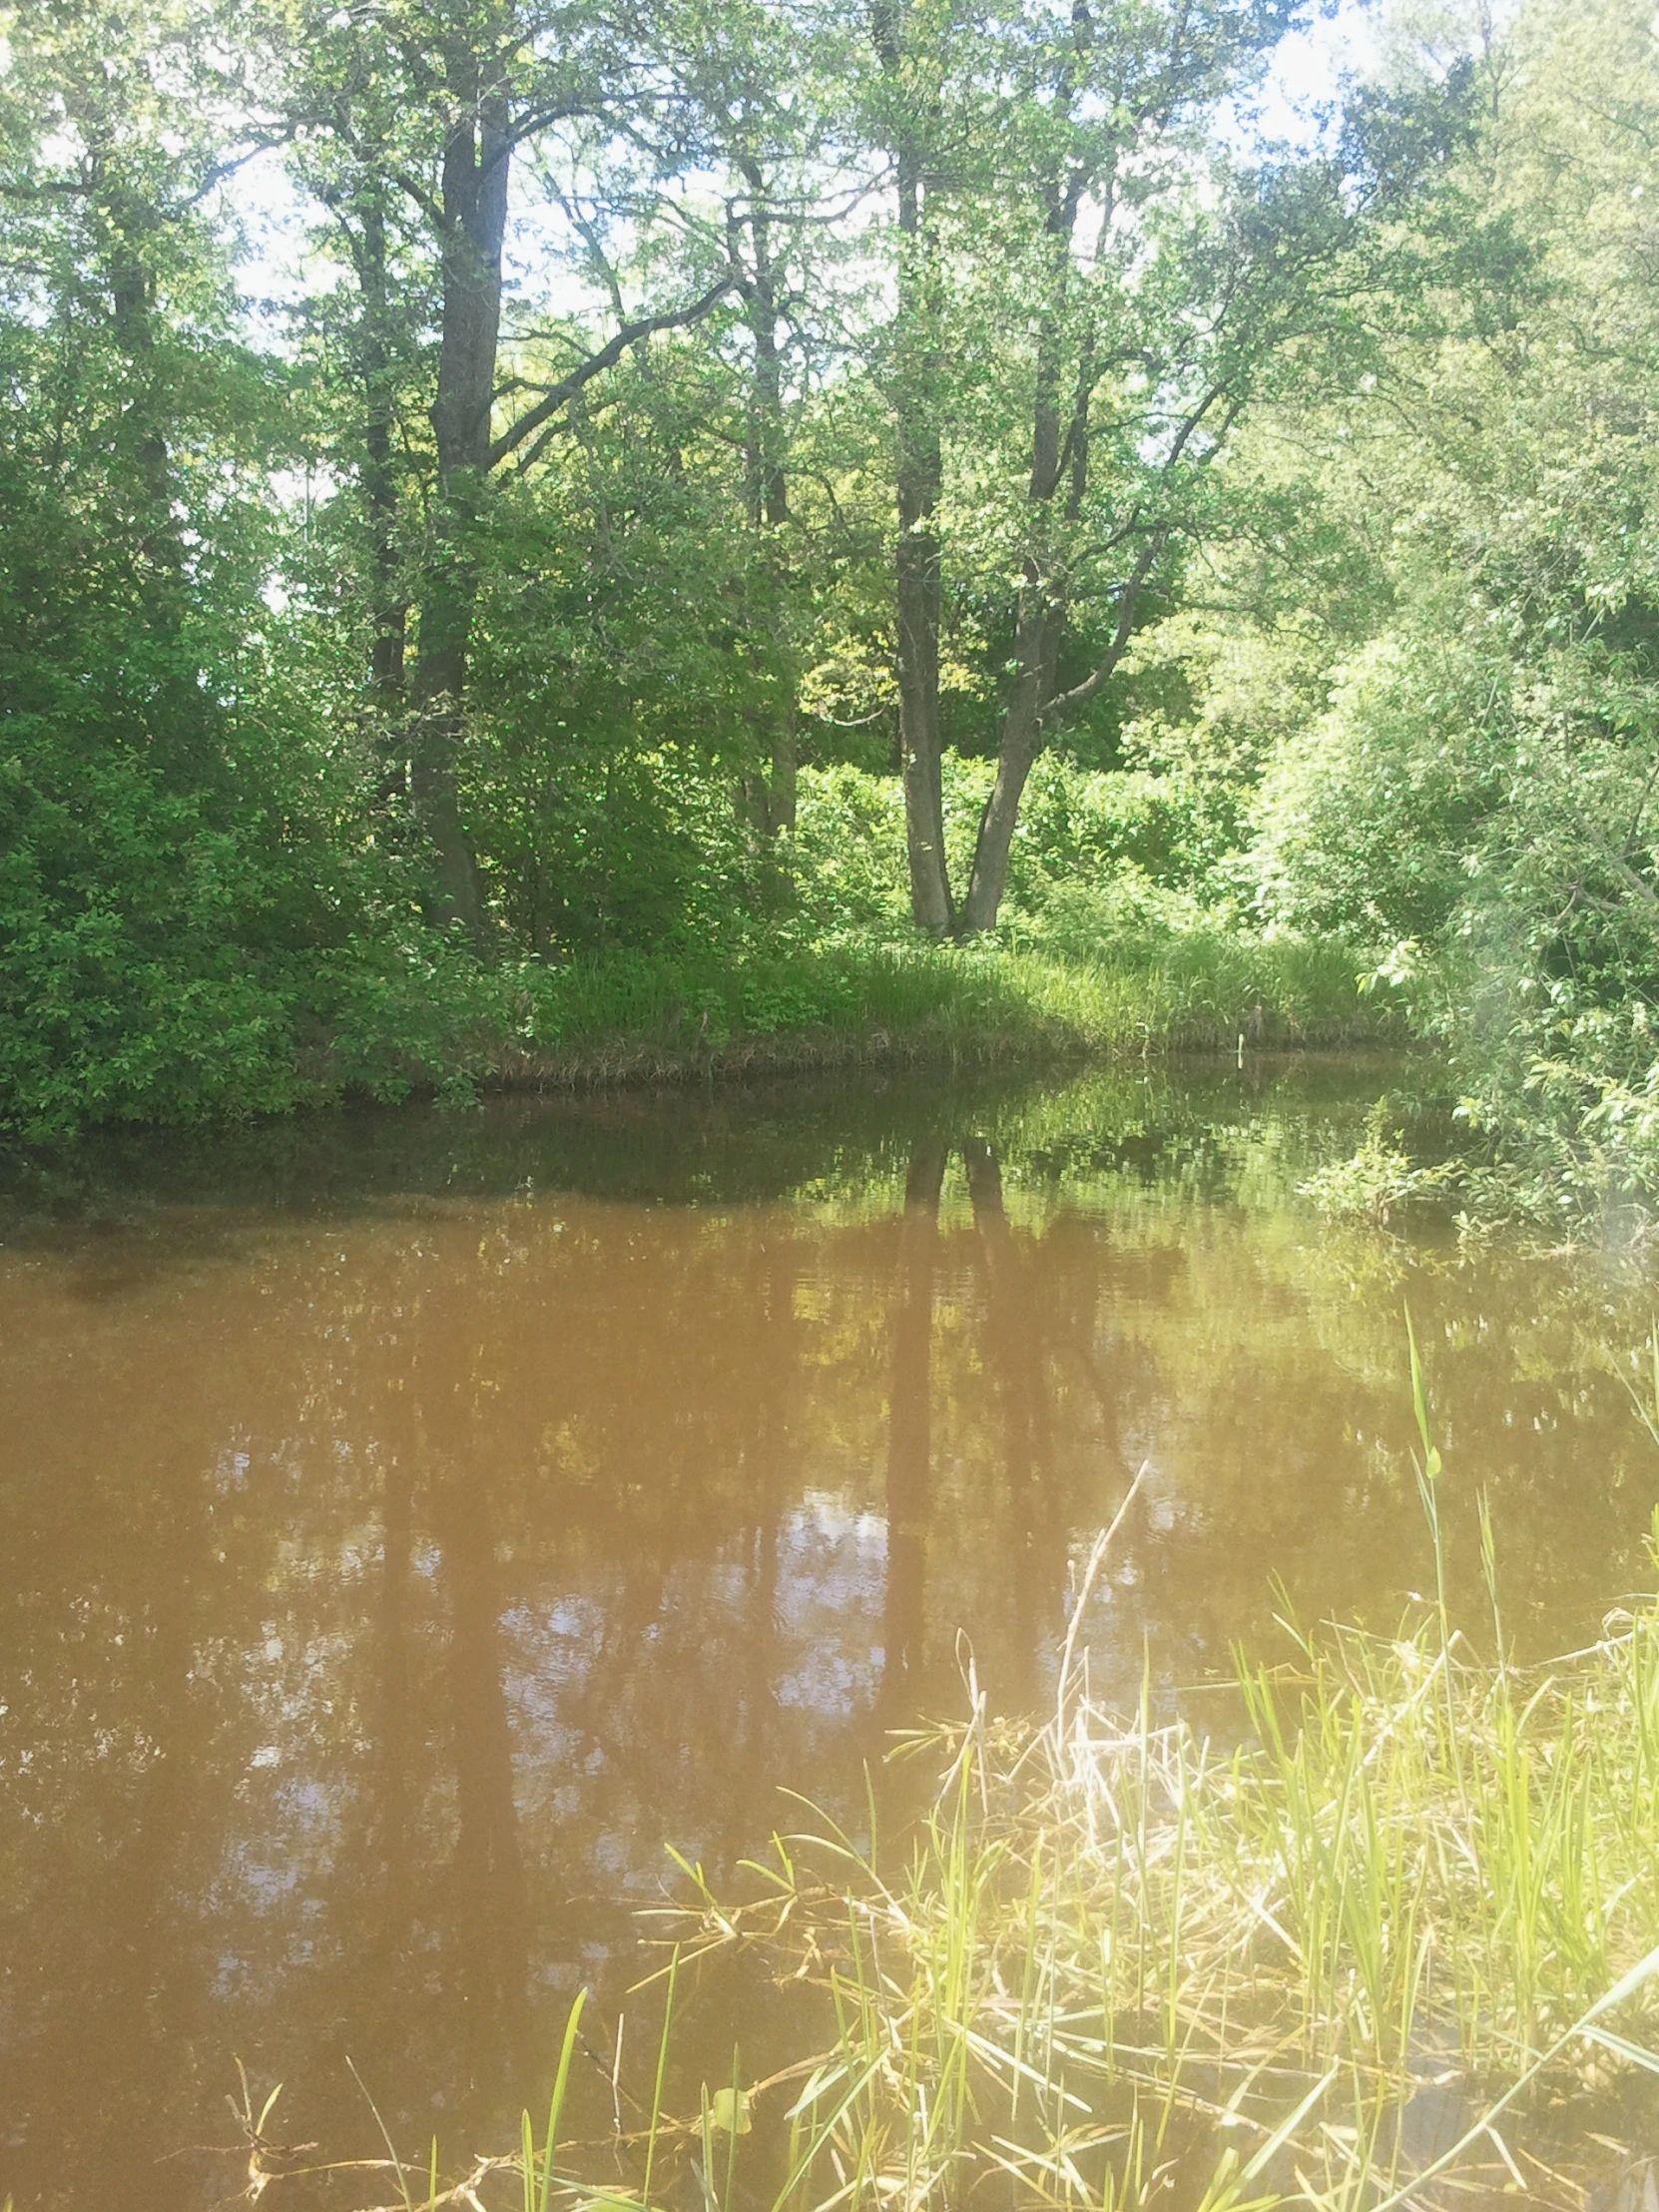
[413,1521]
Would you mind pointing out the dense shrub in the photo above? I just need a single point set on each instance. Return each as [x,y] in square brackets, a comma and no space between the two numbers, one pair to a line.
[1092,846]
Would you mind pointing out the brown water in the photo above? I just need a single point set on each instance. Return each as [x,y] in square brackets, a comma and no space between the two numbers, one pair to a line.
[410,1522]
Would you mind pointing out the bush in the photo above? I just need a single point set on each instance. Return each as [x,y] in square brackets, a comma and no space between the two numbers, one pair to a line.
[1089,848]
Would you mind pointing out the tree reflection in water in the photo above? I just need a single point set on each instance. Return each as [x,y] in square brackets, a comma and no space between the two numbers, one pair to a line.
[395,1568]
[909,1429]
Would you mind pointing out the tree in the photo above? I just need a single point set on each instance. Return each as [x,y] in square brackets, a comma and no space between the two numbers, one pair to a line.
[1471,798]
[910,41]
[439,106]
[174,831]
[1088,295]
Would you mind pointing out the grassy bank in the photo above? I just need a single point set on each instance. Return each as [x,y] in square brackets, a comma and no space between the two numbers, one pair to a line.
[851,1002]
[384,1023]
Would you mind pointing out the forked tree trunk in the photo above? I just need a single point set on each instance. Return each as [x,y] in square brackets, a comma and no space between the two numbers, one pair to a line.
[1040,619]
[1038,635]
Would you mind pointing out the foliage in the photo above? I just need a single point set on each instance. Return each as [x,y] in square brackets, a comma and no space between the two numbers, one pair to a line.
[1473,802]
[1275,523]
[1083,835]
[1381,1177]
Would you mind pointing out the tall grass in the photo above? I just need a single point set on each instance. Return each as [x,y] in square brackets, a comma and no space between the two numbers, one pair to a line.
[1386,1921]
[1395,1918]
[1391,1914]
[1393,1922]
[1398,1912]
[850,1001]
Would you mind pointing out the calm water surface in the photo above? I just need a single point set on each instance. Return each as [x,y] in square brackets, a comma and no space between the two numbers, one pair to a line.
[409,1522]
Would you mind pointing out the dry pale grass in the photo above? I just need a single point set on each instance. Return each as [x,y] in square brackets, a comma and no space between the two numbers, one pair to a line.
[1389,1932]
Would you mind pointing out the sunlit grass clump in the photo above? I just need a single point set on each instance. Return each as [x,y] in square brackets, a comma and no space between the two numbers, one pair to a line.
[1388,1919]
[1393,1916]
[1382,1929]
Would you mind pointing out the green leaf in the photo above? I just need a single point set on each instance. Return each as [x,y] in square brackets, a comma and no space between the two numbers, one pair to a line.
[729,2110]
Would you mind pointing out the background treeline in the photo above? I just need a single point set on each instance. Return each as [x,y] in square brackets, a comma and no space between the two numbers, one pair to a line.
[525,524]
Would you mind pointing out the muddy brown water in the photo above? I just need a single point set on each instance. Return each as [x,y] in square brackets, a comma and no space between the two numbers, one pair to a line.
[410,1522]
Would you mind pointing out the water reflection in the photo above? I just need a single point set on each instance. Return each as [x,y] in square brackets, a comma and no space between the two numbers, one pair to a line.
[410,1523]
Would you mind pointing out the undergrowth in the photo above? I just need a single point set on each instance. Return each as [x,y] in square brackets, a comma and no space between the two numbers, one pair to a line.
[430,1019]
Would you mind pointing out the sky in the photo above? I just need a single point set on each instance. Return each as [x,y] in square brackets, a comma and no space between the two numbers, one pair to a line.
[1306,72]
[1310,67]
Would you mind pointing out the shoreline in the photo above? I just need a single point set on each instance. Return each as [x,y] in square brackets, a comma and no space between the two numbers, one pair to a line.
[667,1026]
[639,1065]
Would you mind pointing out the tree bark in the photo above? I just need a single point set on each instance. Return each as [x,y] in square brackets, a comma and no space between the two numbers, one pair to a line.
[918,471]
[768,483]
[476,160]
[132,226]
[1038,629]
[785,760]
[767,494]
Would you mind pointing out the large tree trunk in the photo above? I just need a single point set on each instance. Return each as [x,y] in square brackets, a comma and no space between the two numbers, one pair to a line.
[388,611]
[146,476]
[475,165]
[1041,617]
[921,473]
[781,782]
[141,435]
[768,486]
[768,504]
[918,471]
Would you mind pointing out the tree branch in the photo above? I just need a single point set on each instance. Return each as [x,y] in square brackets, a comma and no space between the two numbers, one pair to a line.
[1065,703]
[556,396]
[235,161]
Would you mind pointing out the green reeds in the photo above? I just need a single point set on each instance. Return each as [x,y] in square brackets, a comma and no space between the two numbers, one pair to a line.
[1122,1954]
[1119,1955]
[1395,1915]
[538,2193]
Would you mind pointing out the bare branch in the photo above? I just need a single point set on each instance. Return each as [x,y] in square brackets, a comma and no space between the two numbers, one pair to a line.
[229,166]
